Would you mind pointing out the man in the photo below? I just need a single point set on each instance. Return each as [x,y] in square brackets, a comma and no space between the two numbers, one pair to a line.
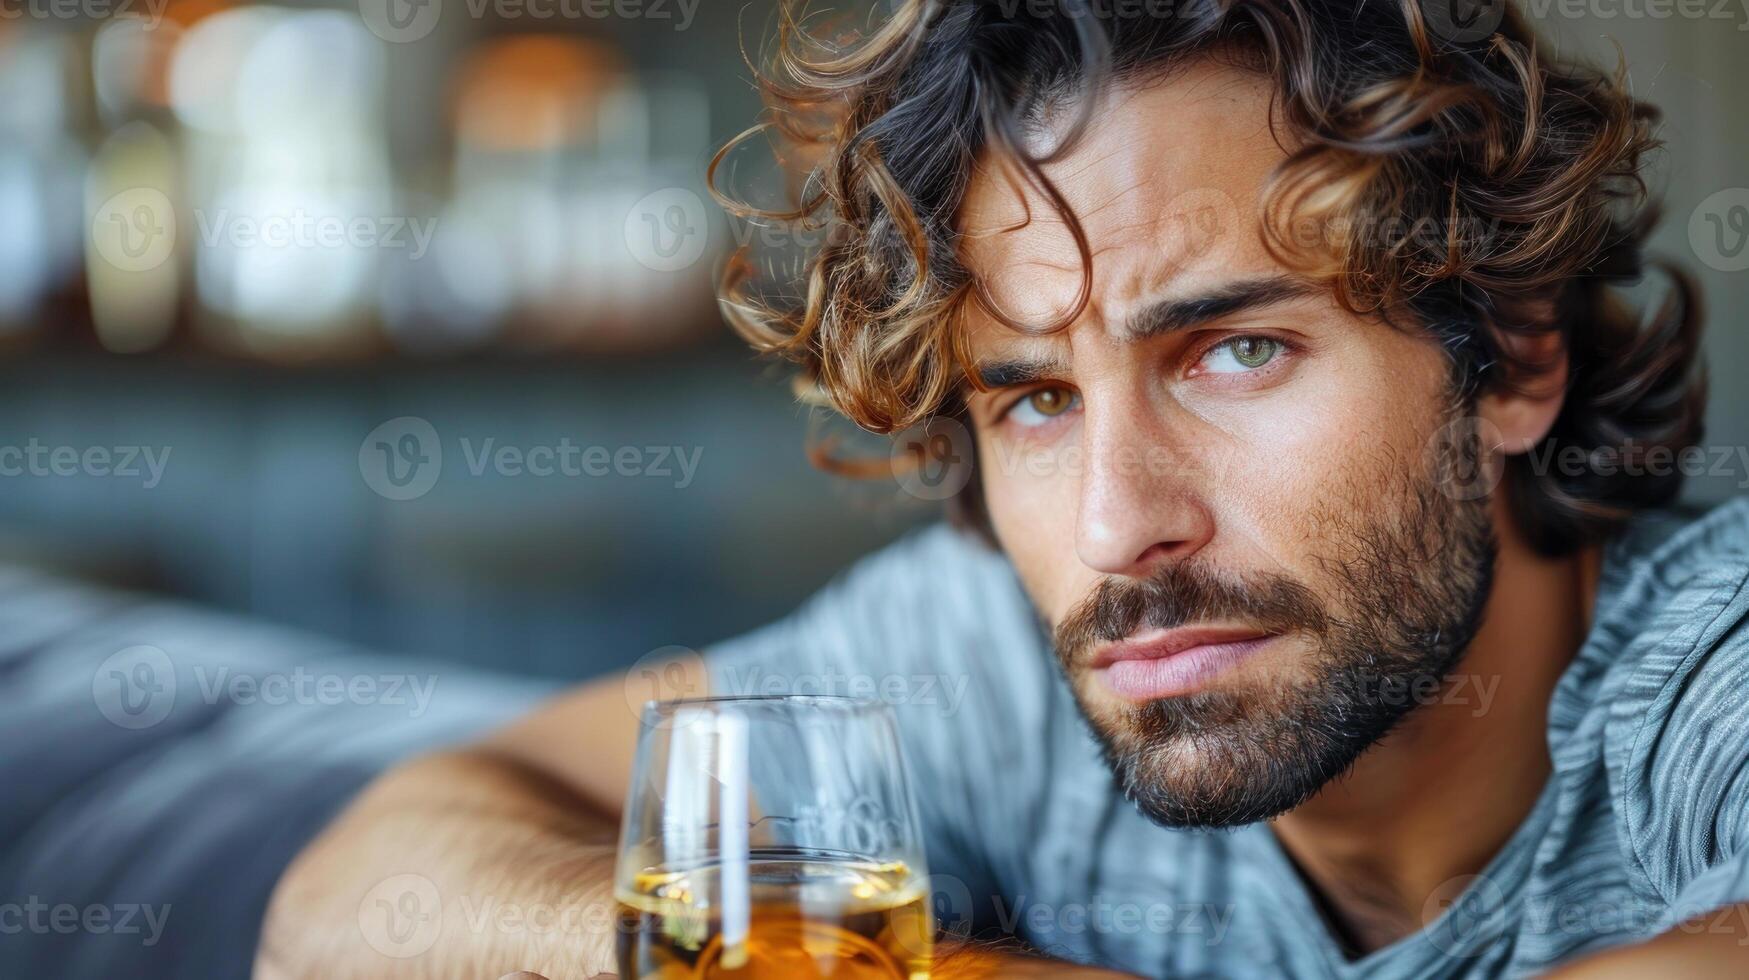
[1271,324]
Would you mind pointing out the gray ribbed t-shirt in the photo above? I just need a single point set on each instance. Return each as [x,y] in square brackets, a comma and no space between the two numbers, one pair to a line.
[1643,826]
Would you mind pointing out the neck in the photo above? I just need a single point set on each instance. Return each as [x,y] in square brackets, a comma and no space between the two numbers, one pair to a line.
[1438,797]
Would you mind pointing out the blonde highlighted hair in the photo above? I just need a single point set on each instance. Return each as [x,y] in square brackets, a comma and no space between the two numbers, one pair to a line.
[1517,176]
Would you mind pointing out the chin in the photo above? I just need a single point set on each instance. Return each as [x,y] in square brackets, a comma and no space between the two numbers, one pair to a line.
[1223,757]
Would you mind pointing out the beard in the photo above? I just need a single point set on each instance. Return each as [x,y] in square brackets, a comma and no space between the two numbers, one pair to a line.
[1404,599]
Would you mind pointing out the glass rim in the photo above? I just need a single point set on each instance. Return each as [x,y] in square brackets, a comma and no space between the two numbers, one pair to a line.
[837,700]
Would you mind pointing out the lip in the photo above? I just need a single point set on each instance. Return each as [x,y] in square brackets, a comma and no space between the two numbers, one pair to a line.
[1175,662]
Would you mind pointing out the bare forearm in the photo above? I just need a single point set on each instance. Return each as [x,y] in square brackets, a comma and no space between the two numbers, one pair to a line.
[966,960]
[466,864]
[1696,950]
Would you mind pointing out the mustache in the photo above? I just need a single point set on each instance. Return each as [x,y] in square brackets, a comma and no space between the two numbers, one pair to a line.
[1175,595]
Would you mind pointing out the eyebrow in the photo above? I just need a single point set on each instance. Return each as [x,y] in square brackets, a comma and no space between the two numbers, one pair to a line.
[1159,319]
[1171,316]
[1012,374]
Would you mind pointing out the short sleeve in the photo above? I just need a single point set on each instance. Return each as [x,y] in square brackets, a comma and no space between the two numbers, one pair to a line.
[1685,773]
[937,626]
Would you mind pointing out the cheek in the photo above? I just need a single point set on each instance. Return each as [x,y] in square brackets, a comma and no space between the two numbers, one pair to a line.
[1304,470]
[1032,500]
[1279,476]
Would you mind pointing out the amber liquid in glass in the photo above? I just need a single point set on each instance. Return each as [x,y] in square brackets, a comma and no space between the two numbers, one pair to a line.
[810,915]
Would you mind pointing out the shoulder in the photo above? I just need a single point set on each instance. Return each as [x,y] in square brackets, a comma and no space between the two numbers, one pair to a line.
[937,626]
[934,582]
[931,568]
[1675,732]
[936,602]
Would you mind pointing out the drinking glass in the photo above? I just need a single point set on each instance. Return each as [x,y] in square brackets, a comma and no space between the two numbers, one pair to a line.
[771,838]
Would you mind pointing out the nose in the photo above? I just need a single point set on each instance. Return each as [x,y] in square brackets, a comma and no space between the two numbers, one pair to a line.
[1141,502]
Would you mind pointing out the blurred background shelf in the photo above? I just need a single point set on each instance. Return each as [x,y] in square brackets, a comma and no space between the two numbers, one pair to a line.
[261,507]
[252,233]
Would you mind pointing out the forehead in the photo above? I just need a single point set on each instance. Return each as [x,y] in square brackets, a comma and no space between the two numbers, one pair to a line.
[1165,181]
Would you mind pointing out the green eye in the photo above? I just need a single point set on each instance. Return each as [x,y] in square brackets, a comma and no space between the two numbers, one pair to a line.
[1241,354]
[1253,352]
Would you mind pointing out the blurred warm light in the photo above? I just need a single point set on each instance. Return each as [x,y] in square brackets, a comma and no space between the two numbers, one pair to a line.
[130,65]
[530,92]
[525,111]
[555,146]
[208,62]
[457,295]
[24,263]
[292,190]
[34,75]
[251,145]
[131,271]
[183,14]
[40,169]
[282,278]
[131,56]
[460,294]
[651,135]
[319,70]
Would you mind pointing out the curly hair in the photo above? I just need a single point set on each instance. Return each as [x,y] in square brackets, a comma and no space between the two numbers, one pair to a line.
[1387,118]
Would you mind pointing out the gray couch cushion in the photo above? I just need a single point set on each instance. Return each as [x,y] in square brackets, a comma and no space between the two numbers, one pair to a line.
[160,765]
